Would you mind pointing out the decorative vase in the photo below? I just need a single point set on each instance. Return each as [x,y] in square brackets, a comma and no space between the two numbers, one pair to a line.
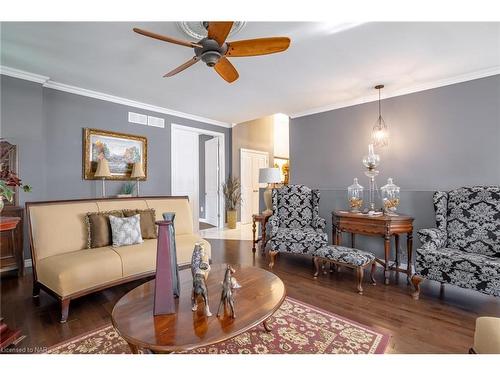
[232,216]
[355,196]
[170,216]
[390,196]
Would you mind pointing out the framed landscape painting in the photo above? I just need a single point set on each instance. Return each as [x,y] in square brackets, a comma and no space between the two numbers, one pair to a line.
[119,149]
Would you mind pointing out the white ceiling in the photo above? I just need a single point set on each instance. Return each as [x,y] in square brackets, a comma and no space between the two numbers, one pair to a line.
[323,68]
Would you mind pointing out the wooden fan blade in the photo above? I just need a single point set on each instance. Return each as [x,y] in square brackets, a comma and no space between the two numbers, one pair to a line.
[180,68]
[167,38]
[256,47]
[219,31]
[226,70]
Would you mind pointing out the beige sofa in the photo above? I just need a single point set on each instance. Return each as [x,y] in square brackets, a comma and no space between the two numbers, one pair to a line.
[64,266]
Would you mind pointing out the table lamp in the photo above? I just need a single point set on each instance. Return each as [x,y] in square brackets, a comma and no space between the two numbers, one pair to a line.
[137,173]
[102,172]
[269,176]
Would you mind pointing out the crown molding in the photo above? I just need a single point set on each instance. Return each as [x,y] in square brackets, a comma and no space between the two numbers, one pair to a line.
[48,83]
[407,90]
[21,74]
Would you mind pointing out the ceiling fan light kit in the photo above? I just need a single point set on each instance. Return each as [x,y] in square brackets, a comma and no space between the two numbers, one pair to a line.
[213,49]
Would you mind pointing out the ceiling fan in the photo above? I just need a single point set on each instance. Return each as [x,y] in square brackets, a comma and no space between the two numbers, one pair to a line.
[214,50]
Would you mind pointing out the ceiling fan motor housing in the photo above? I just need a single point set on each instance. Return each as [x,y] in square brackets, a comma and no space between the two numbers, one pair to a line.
[211,52]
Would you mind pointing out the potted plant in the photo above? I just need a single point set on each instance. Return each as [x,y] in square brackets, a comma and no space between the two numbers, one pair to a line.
[9,180]
[127,190]
[232,196]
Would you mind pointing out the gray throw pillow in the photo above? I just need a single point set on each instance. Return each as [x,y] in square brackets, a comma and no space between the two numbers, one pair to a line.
[126,230]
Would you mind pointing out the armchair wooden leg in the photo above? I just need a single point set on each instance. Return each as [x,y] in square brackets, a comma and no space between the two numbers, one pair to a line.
[416,280]
[316,266]
[372,273]
[36,289]
[64,309]
[359,279]
[272,254]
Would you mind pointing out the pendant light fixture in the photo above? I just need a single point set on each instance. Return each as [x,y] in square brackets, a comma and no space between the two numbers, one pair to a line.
[380,133]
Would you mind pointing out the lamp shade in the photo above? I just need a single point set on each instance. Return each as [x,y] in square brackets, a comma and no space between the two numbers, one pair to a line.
[137,171]
[102,169]
[269,175]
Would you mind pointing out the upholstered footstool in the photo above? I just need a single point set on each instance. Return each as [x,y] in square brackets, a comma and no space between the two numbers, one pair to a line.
[348,257]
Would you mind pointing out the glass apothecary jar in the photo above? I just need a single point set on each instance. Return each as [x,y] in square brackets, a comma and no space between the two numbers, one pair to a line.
[355,196]
[390,196]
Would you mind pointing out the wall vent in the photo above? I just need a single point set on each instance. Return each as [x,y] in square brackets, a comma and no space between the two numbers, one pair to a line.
[156,122]
[137,118]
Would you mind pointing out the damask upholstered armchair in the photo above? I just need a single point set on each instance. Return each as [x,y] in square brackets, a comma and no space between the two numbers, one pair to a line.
[464,249]
[295,225]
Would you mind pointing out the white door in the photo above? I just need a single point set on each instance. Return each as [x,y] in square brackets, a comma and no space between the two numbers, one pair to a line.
[250,163]
[212,183]
[185,150]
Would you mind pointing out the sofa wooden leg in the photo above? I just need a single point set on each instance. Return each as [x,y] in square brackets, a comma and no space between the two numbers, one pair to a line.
[316,266]
[359,279]
[64,309]
[416,280]
[36,289]
[272,254]
[372,273]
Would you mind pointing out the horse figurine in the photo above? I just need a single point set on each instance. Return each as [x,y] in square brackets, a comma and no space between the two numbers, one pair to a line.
[200,289]
[227,291]
[199,260]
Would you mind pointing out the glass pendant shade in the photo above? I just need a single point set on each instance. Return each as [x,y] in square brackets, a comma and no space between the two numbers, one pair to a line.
[390,196]
[380,133]
[355,196]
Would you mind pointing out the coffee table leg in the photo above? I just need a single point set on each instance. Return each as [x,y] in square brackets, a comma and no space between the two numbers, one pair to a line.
[266,326]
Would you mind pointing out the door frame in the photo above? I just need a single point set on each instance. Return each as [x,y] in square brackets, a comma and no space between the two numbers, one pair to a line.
[222,165]
[265,153]
[205,220]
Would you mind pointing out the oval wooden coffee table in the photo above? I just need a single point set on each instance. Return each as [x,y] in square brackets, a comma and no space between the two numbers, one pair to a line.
[260,295]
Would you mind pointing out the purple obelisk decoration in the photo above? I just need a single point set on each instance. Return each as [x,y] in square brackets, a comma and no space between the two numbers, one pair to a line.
[164,294]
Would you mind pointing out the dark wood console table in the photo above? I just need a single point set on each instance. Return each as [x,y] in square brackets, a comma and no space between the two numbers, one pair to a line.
[384,226]
[11,246]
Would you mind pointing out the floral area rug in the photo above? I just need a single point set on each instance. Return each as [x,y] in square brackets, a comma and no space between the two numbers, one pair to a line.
[296,328]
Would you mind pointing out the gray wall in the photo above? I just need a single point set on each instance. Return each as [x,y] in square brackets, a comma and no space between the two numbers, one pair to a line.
[47,126]
[202,139]
[439,139]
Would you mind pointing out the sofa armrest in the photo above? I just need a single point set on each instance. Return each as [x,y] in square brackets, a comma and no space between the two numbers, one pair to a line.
[432,238]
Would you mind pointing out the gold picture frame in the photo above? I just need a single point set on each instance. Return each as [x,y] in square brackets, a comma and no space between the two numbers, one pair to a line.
[120,149]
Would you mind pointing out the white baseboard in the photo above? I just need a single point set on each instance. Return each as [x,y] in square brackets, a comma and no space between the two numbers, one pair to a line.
[203,220]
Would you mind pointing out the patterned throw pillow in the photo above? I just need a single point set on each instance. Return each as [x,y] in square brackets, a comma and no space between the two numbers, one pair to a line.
[148,220]
[99,229]
[126,230]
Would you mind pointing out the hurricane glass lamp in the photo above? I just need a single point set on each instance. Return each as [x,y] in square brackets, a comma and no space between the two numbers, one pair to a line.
[390,196]
[103,172]
[371,161]
[269,176]
[137,173]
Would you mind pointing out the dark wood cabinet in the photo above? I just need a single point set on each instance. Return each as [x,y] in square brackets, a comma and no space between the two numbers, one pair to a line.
[11,254]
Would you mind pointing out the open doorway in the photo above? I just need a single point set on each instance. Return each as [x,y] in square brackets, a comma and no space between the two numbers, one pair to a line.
[197,171]
[209,181]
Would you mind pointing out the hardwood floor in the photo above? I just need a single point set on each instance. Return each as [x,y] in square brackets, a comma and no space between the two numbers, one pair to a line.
[437,323]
